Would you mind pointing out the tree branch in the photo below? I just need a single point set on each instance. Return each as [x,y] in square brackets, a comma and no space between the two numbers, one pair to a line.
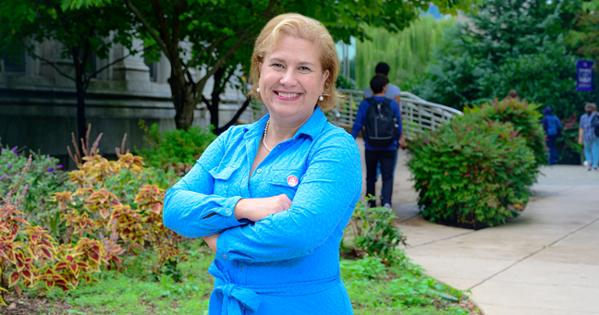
[227,76]
[147,25]
[233,120]
[84,61]
[110,64]
[219,63]
[205,100]
[163,30]
[176,24]
[242,38]
[51,64]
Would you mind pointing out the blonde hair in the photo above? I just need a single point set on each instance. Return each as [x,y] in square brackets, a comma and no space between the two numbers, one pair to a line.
[590,107]
[303,27]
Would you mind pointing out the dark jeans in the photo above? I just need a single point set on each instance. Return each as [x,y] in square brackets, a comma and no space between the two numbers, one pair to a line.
[553,155]
[386,159]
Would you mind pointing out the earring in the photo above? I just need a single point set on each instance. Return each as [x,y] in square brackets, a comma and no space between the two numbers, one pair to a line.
[258,90]
[321,98]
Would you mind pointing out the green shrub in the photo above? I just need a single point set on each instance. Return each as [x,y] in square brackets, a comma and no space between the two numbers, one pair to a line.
[120,199]
[472,172]
[126,183]
[106,210]
[174,149]
[525,119]
[33,178]
[372,232]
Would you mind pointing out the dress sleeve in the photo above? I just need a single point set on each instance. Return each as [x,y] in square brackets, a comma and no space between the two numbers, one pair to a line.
[190,207]
[325,198]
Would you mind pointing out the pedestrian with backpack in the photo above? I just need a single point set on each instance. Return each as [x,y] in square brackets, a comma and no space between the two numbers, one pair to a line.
[588,135]
[553,128]
[379,119]
[392,91]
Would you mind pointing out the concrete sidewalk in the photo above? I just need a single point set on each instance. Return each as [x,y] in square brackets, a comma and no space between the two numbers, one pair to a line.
[544,262]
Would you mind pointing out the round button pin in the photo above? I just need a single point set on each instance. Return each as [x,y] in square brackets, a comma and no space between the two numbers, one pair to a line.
[292,181]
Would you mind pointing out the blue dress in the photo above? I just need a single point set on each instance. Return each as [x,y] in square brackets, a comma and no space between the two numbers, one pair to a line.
[288,262]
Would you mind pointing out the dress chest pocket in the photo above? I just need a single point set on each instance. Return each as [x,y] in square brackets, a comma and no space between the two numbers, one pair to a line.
[285,181]
[227,180]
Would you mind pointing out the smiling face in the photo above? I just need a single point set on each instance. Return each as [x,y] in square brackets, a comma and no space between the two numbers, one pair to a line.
[291,79]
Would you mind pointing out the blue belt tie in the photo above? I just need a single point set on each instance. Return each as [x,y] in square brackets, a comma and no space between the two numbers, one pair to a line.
[229,298]
[235,297]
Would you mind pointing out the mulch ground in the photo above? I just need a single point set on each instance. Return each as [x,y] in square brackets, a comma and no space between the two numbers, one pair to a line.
[27,306]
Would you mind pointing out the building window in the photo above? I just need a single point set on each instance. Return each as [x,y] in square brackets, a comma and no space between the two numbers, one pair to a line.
[153,66]
[153,69]
[91,65]
[12,60]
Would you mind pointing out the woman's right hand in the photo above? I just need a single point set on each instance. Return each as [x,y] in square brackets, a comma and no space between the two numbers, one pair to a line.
[256,209]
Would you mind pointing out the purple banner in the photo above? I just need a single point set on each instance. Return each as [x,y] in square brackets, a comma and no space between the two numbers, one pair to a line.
[584,75]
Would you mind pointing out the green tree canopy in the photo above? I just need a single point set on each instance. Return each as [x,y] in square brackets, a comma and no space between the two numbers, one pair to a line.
[408,52]
[585,37]
[509,44]
[216,37]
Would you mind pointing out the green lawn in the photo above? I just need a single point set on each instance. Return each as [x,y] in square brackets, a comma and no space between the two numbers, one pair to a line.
[373,287]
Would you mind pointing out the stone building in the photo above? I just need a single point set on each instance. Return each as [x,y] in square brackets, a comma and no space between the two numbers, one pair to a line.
[38,104]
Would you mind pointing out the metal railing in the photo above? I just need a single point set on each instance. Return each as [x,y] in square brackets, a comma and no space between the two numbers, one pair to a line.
[418,115]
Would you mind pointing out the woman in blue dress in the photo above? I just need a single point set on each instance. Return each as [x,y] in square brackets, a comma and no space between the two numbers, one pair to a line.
[272,198]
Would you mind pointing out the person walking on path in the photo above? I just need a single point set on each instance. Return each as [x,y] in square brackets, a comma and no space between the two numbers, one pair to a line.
[272,198]
[587,135]
[553,128]
[393,92]
[381,119]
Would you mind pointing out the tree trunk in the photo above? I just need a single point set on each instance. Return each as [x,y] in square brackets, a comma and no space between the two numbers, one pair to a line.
[80,92]
[183,98]
[217,89]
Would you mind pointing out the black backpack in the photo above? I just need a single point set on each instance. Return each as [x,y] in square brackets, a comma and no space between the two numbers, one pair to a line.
[595,124]
[380,127]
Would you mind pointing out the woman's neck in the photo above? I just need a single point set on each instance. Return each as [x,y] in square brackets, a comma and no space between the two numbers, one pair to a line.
[277,132]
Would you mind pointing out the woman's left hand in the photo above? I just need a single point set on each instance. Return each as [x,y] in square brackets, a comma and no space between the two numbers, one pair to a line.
[211,241]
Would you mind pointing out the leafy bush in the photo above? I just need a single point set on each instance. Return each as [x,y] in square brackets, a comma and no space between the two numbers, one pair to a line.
[174,149]
[472,172]
[372,233]
[108,209]
[116,201]
[345,83]
[30,257]
[525,119]
[33,179]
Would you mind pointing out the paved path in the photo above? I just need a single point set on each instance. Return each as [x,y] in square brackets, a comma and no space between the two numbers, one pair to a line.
[544,262]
